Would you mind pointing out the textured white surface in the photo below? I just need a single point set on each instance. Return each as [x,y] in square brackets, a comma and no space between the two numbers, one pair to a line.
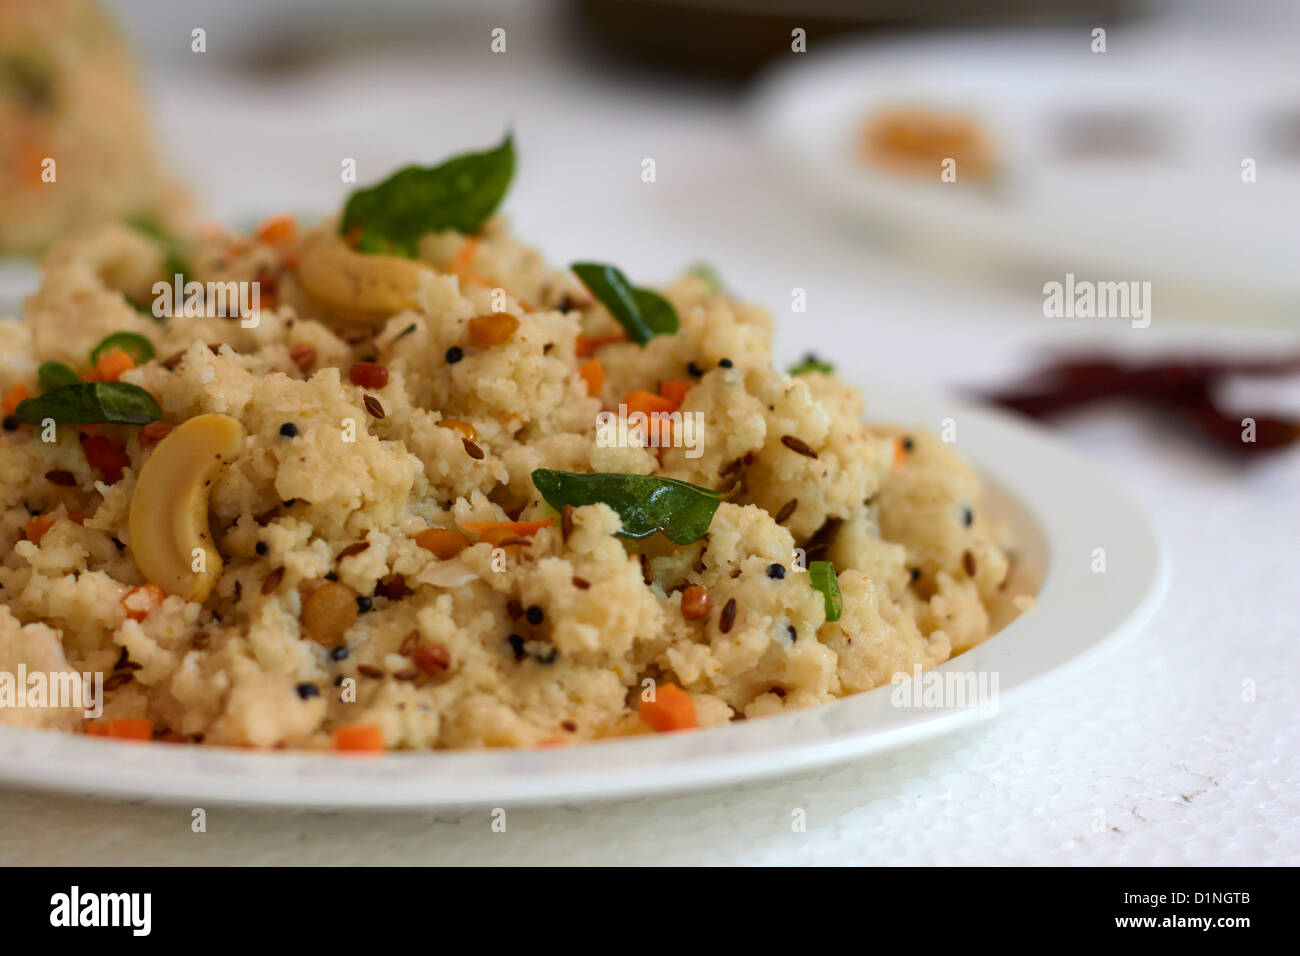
[1149,756]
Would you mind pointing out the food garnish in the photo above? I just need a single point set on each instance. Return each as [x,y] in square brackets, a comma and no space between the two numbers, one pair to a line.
[460,194]
[646,503]
[642,312]
[821,575]
[91,403]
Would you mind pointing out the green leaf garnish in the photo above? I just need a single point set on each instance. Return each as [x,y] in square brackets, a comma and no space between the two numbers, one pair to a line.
[707,274]
[91,403]
[142,309]
[175,265]
[27,80]
[137,346]
[460,194]
[682,511]
[812,363]
[175,253]
[52,375]
[643,313]
[821,574]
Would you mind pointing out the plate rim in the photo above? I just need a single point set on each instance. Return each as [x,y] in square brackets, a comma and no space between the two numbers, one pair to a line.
[845,729]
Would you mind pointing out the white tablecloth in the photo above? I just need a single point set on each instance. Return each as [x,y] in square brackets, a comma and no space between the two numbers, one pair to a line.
[1152,755]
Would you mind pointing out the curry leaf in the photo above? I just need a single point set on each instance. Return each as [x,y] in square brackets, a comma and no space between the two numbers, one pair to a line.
[51,375]
[459,194]
[682,511]
[812,363]
[91,403]
[821,574]
[176,256]
[643,313]
[706,274]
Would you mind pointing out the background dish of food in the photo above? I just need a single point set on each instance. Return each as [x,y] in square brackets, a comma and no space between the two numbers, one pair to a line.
[1124,162]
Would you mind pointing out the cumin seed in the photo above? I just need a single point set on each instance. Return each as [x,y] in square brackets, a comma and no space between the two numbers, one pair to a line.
[566,522]
[472,449]
[728,616]
[353,549]
[786,511]
[798,445]
[373,406]
[409,643]
[273,580]
[581,583]
[64,479]
[368,670]
[118,679]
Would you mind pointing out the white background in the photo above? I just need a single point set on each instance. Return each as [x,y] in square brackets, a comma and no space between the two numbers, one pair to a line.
[1149,756]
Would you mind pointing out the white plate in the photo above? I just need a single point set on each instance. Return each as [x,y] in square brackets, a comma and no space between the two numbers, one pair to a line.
[1061,506]
[1175,213]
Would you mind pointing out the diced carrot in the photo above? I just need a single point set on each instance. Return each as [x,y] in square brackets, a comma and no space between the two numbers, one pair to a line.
[647,402]
[586,345]
[462,264]
[358,737]
[113,363]
[495,328]
[91,375]
[37,525]
[104,457]
[29,156]
[672,709]
[900,455]
[593,373]
[96,728]
[658,433]
[494,532]
[464,257]
[675,392]
[140,602]
[281,230]
[15,395]
[550,743]
[131,728]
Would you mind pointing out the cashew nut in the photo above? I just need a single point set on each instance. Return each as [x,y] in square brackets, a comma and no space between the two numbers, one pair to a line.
[169,509]
[358,288]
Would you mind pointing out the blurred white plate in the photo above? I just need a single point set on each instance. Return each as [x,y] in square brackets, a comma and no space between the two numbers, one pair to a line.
[19,278]
[1170,208]
[1061,508]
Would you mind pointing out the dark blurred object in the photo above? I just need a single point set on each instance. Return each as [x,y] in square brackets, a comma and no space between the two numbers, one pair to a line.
[1185,386]
[735,38]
